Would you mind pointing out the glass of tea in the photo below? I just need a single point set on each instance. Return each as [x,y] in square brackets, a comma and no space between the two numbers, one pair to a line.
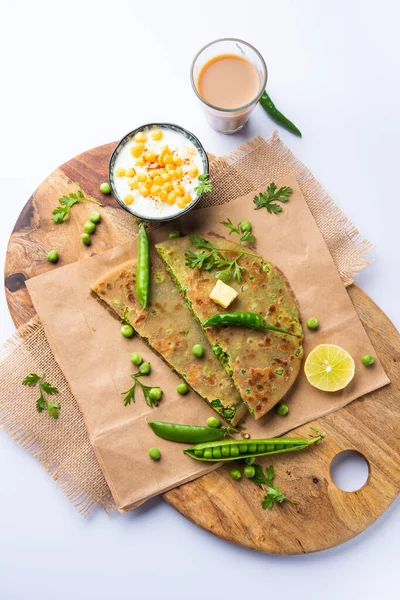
[228,76]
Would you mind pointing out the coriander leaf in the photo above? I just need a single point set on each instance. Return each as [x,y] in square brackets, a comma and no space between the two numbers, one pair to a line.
[231,227]
[41,403]
[200,242]
[53,409]
[244,236]
[274,495]
[31,379]
[146,389]
[130,394]
[269,198]
[259,477]
[205,184]
[49,389]
[62,213]
[270,474]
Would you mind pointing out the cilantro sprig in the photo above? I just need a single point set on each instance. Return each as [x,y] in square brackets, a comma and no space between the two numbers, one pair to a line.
[211,257]
[53,408]
[205,185]
[272,493]
[269,198]
[62,213]
[244,235]
[130,394]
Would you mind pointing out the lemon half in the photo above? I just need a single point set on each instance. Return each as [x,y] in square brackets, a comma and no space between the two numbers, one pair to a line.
[329,368]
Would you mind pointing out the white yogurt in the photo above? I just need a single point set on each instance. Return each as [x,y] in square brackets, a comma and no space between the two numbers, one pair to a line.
[151,207]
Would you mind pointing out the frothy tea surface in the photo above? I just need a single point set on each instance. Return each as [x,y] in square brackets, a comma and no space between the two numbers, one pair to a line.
[228,81]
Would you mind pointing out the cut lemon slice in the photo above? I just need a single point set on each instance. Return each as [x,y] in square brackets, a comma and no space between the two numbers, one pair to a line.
[329,368]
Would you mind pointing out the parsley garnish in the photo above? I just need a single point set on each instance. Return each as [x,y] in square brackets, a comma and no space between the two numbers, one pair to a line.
[130,394]
[53,408]
[272,494]
[244,236]
[269,198]
[205,184]
[61,213]
[212,257]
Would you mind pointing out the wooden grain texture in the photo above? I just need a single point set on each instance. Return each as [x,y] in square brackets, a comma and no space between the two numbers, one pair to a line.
[325,516]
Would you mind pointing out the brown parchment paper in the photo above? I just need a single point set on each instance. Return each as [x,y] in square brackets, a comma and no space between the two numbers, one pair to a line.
[94,357]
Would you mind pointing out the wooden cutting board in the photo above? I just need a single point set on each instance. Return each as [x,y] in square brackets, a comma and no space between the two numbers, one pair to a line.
[325,516]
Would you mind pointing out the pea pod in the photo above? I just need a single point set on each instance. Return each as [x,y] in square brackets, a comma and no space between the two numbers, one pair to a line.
[276,115]
[189,434]
[232,449]
[242,319]
[143,267]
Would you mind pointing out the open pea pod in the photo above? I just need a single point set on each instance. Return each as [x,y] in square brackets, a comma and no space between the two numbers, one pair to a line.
[226,450]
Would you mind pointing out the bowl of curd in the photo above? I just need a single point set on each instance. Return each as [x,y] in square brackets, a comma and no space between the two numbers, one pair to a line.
[154,171]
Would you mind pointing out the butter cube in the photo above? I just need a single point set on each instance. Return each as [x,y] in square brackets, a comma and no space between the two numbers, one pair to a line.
[223,294]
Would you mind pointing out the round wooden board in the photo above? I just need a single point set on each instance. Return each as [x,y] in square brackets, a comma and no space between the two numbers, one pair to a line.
[325,515]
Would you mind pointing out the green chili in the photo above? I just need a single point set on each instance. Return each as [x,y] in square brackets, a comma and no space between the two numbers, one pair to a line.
[242,319]
[277,116]
[143,267]
[189,434]
[231,449]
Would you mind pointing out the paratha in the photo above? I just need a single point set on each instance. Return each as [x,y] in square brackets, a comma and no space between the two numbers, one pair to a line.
[167,325]
[263,364]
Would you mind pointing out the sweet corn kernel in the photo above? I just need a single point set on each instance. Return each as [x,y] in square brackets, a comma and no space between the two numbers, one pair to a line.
[169,168]
[137,150]
[129,199]
[167,159]
[157,135]
[120,172]
[187,198]
[171,198]
[168,187]
[180,202]
[144,190]
[191,151]
[150,156]
[131,172]
[142,177]
[172,174]
[140,137]
[165,177]
[140,162]
[161,160]
[179,173]
[155,190]
[158,180]
[177,160]
[163,195]
[180,190]
[193,171]
[154,173]
[133,183]
[165,149]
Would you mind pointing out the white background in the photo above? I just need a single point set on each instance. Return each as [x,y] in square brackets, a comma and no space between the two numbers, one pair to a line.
[75,75]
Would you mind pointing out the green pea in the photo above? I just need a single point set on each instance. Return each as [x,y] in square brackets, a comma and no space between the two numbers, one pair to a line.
[282,409]
[89,227]
[155,394]
[105,188]
[52,256]
[154,453]
[145,368]
[214,422]
[269,447]
[199,453]
[86,239]
[249,471]
[225,451]
[208,453]
[136,359]
[95,216]
[243,448]
[312,323]
[216,452]
[367,360]
[182,388]
[251,460]
[127,331]
[173,235]
[245,225]
[252,448]
[260,447]
[236,474]
[234,450]
[198,350]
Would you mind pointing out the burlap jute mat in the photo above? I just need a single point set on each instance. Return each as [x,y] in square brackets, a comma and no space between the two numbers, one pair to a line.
[63,447]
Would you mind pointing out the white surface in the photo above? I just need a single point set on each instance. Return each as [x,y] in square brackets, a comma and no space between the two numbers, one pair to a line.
[71,80]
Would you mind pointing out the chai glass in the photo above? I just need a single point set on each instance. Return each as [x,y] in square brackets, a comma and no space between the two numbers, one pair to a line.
[228,120]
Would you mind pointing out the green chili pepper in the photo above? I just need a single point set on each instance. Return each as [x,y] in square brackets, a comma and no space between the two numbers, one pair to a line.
[277,116]
[242,319]
[189,434]
[143,267]
[231,449]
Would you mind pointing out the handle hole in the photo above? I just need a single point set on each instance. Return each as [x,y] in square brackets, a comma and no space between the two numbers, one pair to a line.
[349,470]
